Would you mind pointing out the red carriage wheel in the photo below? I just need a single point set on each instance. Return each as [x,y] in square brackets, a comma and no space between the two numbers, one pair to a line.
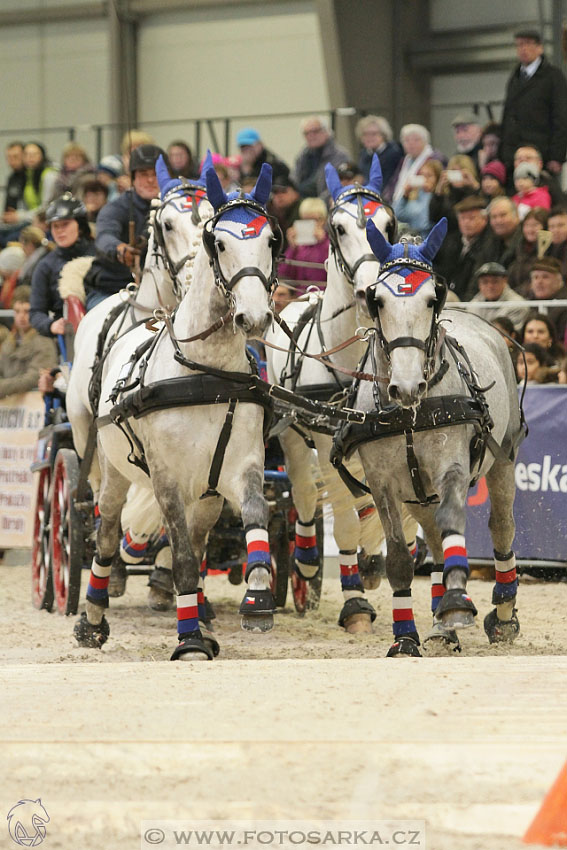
[279,547]
[307,594]
[66,536]
[42,582]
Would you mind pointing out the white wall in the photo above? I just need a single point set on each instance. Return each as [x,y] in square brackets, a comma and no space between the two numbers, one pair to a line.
[220,62]
[53,75]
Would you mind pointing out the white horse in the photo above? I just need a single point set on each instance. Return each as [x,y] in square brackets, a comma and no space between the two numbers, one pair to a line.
[175,233]
[201,452]
[443,411]
[351,268]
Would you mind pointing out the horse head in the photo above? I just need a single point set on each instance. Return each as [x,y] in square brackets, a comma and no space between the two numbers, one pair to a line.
[354,206]
[243,243]
[178,218]
[405,303]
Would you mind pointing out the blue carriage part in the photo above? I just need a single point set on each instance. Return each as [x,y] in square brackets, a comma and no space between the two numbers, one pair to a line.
[276,475]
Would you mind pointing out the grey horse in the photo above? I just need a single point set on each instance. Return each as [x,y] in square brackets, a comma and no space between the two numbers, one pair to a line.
[443,411]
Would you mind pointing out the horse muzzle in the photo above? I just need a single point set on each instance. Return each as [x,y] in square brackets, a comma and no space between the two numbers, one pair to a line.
[407,393]
[252,325]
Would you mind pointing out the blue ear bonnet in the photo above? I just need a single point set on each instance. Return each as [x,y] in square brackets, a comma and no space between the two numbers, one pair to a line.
[349,193]
[423,253]
[168,184]
[251,218]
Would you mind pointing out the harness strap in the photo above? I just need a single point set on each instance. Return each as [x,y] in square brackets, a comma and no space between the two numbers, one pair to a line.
[218,457]
[413,467]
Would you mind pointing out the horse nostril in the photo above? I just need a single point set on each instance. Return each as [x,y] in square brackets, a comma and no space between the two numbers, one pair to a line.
[393,391]
[421,387]
[242,322]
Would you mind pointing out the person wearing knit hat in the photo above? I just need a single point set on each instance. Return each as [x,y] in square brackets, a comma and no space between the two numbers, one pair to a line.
[493,179]
[528,193]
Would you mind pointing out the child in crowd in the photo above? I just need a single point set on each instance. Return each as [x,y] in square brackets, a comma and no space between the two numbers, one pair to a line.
[537,367]
[528,193]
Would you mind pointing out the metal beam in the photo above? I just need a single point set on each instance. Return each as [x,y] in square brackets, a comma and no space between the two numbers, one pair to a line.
[123,77]
[53,14]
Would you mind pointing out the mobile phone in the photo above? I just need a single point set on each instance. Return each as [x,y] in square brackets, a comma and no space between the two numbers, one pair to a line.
[454,176]
[304,231]
[416,181]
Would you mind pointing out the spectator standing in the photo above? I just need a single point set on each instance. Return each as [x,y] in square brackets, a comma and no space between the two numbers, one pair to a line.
[535,105]
[181,160]
[115,256]
[67,218]
[253,154]
[467,133]
[527,250]
[492,282]
[24,353]
[375,136]
[415,139]
[505,224]
[547,284]
[320,148]
[557,225]
[528,193]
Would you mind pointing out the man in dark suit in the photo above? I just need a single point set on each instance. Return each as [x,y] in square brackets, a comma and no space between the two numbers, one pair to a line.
[535,107]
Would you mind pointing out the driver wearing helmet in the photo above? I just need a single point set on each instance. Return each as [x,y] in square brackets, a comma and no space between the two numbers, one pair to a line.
[115,256]
[67,219]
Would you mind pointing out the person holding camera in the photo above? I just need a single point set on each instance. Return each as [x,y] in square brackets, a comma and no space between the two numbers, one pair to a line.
[413,207]
[457,182]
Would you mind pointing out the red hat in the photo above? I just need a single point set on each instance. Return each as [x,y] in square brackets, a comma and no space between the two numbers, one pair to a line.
[496,169]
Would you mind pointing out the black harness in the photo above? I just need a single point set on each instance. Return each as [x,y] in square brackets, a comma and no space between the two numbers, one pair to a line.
[160,250]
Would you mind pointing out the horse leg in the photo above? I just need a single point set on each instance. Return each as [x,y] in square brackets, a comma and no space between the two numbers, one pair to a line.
[258,606]
[440,640]
[92,629]
[399,571]
[299,467]
[357,614]
[456,609]
[140,520]
[185,568]
[371,563]
[502,623]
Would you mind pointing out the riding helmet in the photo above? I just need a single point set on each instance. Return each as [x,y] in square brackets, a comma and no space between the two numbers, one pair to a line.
[66,207]
[144,157]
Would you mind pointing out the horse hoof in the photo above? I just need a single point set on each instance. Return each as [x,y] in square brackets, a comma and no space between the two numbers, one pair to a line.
[91,636]
[405,647]
[160,600]
[118,577]
[209,639]
[501,631]
[235,574]
[457,620]
[358,624]
[306,571]
[456,609]
[441,641]
[258,623]
[371,569]
[193,647]
[354,606]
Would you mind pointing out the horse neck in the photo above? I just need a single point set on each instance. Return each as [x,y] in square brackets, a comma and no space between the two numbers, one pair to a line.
[202,305]
[339,294]
[156,287]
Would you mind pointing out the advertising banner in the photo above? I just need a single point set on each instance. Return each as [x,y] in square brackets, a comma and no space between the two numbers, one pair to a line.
[21,418]
[540,508]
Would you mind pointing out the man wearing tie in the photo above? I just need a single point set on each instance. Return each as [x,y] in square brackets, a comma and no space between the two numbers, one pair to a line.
[535,106]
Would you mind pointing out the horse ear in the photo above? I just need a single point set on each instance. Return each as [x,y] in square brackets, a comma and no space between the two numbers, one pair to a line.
[380,247]
[215,192]
[434,241]
[162,174]
[207,163]
[263,187]
[375,179]
[334,184]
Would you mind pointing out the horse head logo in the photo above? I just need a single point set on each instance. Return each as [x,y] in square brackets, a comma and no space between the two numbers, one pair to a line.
[26,823]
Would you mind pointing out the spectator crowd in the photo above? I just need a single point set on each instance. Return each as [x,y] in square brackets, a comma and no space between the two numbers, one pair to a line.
[499,188]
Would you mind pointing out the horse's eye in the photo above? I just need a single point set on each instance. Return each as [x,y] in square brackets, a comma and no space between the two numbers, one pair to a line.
[168,226]
[340,230]
[379,301]
[220,247]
